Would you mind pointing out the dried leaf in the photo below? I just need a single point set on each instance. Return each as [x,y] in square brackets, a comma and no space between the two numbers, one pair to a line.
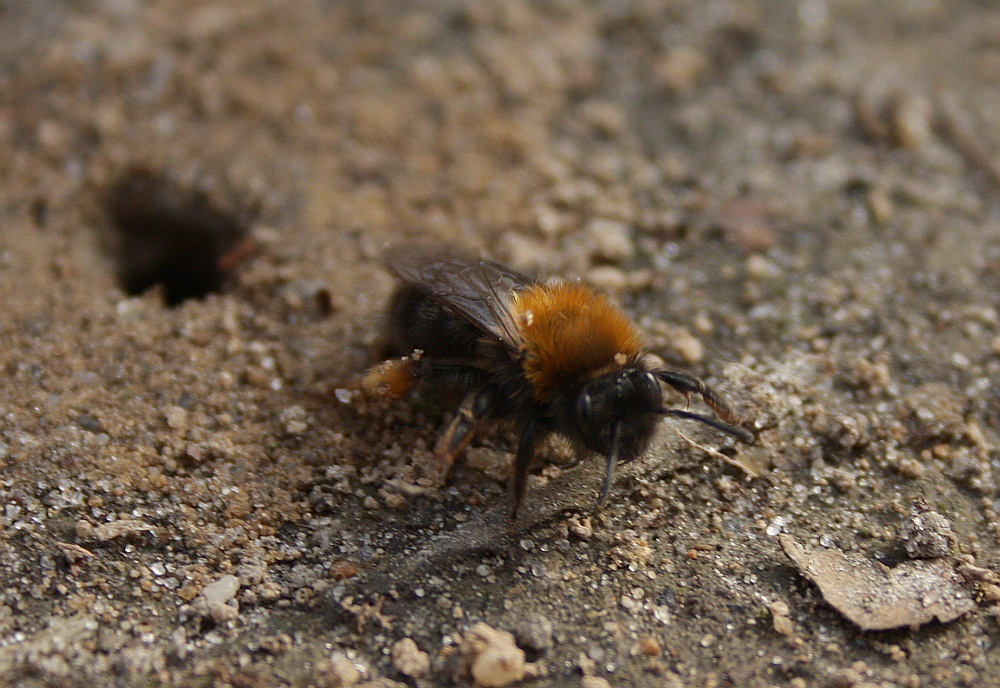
[877,598]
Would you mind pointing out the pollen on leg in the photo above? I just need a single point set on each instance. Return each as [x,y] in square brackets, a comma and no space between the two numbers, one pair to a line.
[390,379]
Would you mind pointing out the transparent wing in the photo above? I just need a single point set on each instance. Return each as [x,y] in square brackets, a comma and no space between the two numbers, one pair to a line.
[478,290]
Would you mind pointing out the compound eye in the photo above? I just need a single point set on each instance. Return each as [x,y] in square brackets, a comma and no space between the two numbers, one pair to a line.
[584,408]
[651,391]
[587,421]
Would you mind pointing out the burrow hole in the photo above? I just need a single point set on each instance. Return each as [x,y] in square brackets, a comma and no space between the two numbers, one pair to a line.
[173,236]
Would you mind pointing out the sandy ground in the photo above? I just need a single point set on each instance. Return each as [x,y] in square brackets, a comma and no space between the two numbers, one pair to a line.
[795,200]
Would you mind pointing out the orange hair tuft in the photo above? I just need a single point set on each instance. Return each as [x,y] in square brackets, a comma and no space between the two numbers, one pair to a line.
[571,334]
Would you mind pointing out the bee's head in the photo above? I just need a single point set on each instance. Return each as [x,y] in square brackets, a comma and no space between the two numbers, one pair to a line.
[621,407]
[616,414]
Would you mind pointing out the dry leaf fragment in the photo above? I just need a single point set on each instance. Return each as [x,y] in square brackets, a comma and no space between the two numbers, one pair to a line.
[878,598]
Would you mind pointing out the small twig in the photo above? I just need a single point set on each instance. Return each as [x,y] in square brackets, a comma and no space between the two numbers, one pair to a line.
[753,473]
[955,126]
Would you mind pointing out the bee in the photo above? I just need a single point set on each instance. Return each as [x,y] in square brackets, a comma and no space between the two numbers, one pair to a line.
[545,357]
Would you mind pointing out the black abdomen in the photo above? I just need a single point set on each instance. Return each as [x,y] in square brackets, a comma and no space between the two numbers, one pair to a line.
[417,321]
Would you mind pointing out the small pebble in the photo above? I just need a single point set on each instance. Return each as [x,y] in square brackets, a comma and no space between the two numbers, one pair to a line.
[759,267]
[87,422]
[607,278]
[990,592]
[662,614]
[295,419]
[391,499]
[410,659]
[176,417]
[295,427]
[650,647]
[492,658]
[534,632]
[927,534]
[581,528]
[222,590]
[611,240]
[687,346]
[216,600]
[607,117]
[339,672]
[880,205]
[911,120]
[680,70]
[779,617]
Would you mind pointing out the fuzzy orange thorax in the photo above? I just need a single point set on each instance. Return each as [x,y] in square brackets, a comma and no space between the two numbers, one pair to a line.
[570,334]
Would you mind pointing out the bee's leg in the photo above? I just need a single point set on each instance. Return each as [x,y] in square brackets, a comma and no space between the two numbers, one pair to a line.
[471,414]
[689,384]
[525,453]
[392,379]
